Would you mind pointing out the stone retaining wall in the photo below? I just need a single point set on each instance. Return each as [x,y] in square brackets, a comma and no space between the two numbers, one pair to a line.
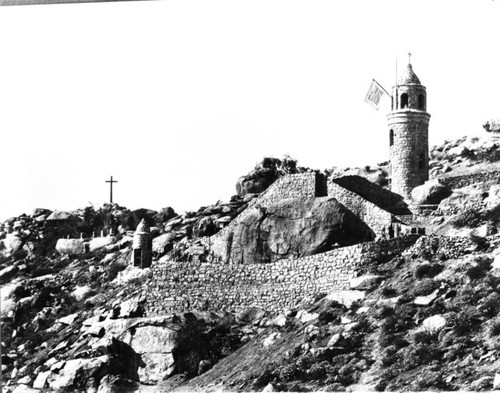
[376,218]
[471,178]
[176,286]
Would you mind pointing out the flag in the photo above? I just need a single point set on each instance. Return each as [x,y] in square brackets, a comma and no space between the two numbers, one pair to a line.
[375,93]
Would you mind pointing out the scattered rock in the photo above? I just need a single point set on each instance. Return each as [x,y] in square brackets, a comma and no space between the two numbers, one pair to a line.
[82,292]
[22,388]
[250,315]
[334,340]
[131,308]
[434,324]
[426,300]
[204,365]
[304,316]
[271,339]
[482,383]
[367,282]
[68,319]
[496,382]
[347,298]
[41,380]
[7,273]
[429,193]
[269,388]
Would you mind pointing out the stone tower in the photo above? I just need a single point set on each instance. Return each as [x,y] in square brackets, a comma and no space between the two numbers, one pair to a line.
[142,246]
[408,134]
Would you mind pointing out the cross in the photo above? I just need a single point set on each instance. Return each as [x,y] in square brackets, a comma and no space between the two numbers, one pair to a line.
[111,181]
[409,58]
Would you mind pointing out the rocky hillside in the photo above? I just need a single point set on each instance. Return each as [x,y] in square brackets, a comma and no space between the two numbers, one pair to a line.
[426,319]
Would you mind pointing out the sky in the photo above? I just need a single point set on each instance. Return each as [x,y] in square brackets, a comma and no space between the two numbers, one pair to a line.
[176,99]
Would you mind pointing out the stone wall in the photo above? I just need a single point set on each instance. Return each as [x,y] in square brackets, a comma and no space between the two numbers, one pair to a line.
[409,137]
[302,185]
[459,181]
[376,218]
[175,287]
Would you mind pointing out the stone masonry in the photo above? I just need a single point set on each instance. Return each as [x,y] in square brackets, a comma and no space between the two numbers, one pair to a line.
[377,219]
[302,185]
[408,134]
[176,287]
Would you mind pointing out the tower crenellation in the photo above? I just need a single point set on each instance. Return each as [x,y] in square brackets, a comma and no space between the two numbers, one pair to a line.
[408,134]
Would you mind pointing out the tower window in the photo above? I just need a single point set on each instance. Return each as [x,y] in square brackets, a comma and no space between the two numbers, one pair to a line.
[404,100]
[421,161]
[391,137]
[421,102]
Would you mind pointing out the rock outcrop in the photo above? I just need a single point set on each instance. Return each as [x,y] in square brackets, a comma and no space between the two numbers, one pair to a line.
[294,228]
[264,174]
[429,193]
[492,125]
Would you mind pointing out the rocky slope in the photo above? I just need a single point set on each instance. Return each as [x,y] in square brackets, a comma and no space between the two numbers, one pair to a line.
[427,319]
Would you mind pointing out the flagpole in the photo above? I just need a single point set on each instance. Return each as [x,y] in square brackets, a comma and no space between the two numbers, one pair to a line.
[396,85]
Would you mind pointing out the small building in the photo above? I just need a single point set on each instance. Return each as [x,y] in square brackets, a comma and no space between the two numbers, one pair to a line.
[142,246]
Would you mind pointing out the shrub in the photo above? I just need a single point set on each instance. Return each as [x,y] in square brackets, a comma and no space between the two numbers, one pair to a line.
[425,287]
[419,354]
[388,292]
[348,375]
[114,268]
[401,320]
[494,329]
[491,305]
[266,376]
[428,270]
[479,269]
[384,311]
[466,320]
[289,372]
[318,370]
[424,337]
[389,356]
[470,218]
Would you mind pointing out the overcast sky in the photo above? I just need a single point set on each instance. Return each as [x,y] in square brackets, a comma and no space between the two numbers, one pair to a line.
[177,99]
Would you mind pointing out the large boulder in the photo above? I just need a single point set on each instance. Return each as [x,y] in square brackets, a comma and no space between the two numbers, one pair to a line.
[293,228]
[154,344]
[60,215]
[256,181]
[11,244]
[205,227]
[100,242]
[163,243]
[492,125]
[265,173]
[164,215]
[430,193]
[70,246]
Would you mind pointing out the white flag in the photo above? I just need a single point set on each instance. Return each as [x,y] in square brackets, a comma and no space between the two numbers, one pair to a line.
[375,93]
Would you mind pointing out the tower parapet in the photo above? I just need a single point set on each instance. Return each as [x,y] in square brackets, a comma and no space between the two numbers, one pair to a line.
[408,134]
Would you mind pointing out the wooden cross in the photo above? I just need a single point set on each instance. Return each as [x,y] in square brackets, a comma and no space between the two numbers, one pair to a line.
[111,181]
[409,58]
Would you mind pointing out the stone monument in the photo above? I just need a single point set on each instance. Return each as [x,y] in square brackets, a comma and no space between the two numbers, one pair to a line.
[408,134]
[142,246]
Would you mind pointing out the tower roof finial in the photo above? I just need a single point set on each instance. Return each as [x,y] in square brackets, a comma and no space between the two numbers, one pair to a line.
[409,58]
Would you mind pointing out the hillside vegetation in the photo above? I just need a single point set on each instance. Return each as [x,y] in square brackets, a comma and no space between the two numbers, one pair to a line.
[426,319]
